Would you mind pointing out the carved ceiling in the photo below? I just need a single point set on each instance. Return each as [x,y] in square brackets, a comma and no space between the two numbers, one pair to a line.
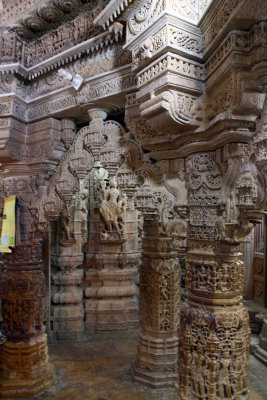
[37,17]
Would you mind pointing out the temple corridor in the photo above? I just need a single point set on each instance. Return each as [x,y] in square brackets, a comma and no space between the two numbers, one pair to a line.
[133,199]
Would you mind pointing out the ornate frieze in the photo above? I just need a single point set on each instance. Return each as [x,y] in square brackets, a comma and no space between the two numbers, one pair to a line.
[146,13]
[174,63]
[236,42]
[41,110]
[103,88]
[169,32]
[48,15]
[103,61]
[212,25]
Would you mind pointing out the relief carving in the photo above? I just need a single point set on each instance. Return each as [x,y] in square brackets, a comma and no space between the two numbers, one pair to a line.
[111,211]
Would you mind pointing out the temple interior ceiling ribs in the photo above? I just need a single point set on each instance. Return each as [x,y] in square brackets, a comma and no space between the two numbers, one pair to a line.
[134,136]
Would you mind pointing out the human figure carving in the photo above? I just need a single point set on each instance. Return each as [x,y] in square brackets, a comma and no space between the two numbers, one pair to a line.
[231,209]
[224,377]
[111,209]
[84,210]
[66,219]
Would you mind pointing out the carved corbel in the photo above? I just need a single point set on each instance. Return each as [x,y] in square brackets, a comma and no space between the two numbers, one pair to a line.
[172,111]
[239,96]
[250,96]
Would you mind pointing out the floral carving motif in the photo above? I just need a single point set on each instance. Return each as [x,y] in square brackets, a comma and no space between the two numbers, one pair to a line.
[143,16]
[186,41]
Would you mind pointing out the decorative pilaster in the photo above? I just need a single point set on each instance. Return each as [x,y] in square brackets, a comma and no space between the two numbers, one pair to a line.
[70,236]
[156,360]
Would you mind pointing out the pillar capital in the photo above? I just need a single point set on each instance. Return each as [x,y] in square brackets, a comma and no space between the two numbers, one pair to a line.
[97,114]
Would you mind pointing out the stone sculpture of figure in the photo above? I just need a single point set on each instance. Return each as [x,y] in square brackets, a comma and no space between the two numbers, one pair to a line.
[84,210]
[231,209]
[220,226]
[66,219]
[199,377]
[224,376]
[111,209]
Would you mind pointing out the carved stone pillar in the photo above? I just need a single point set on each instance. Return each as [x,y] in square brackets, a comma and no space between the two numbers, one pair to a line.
[215,334]
[67,298]
[24,364]
[156,361]
[112,250]
[67,202]
[71,235]
[24,367]
[111,264]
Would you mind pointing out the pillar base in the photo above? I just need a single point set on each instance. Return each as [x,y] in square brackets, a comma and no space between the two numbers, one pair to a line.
[152,379]
[24,368]
[68,321]
[156,362]
[111,315]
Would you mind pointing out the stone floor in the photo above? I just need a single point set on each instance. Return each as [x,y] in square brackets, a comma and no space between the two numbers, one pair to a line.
[98,369]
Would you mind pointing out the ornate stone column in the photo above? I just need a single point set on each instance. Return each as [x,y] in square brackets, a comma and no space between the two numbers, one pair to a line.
[214,342]
[112,249]
[68,313]
[24,367]
[156,361]
[70,187]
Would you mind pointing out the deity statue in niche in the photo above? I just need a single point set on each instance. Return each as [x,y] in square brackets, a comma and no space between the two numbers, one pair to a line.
[111,212]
